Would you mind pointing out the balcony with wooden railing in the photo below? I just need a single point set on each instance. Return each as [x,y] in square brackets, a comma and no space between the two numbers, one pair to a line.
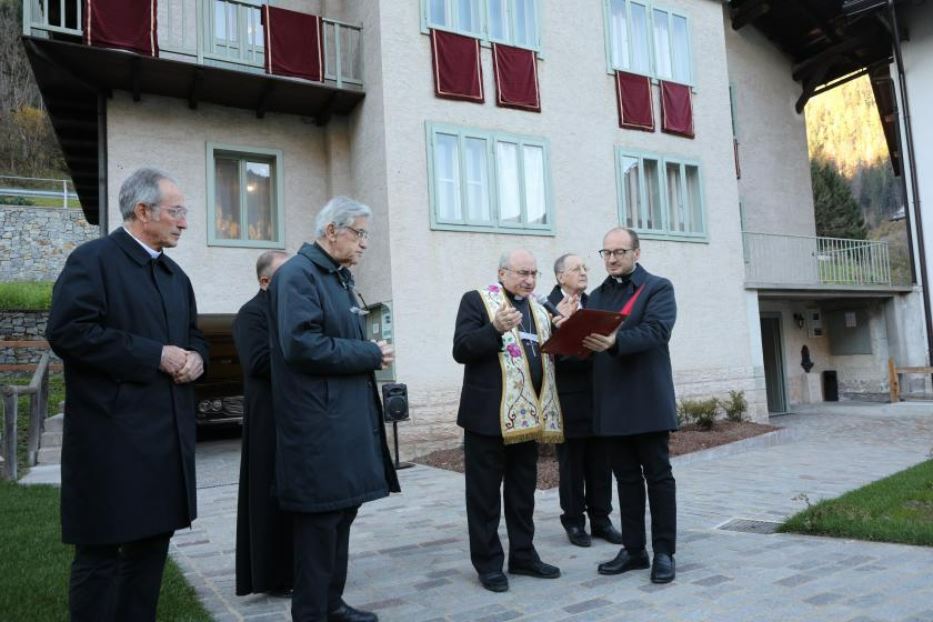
[792,262]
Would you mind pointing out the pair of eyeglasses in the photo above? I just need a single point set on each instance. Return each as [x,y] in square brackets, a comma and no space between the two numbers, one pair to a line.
[361,234]
[606,253]
[525,274]
[581,268]
[177,212]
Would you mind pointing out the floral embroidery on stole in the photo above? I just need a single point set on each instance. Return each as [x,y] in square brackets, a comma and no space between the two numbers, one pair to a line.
[524,416]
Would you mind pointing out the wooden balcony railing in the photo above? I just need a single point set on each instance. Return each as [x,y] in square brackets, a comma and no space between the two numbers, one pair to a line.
[223,33]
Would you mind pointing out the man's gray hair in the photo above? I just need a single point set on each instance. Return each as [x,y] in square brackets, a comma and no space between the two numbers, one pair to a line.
[505,260]
[142,186]
[265,261]
[341,211]
[559,264]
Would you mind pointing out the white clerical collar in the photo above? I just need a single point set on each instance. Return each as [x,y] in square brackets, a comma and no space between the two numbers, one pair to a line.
[152,252]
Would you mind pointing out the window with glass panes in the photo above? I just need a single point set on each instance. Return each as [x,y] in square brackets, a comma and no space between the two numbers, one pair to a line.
[513,22]
[482,180]
[648,40]
[245,202]
[660,195]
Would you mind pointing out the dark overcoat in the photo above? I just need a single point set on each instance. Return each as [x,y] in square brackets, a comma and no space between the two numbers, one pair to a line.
[331,450]
[263,530]
[129,433]
[477,344]
[574,385]
[633,385]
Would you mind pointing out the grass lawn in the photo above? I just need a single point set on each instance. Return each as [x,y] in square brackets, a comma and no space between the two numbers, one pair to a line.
[34,580]
[26,295]
[898,508]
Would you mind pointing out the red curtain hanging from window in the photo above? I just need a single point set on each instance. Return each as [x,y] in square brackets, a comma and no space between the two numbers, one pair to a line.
[676,109]
[293,43]
[124,24]
[516,73]
[458,73]
[633,94]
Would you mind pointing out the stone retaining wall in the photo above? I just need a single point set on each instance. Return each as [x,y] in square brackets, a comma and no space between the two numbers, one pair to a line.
[22,326]
[34,241]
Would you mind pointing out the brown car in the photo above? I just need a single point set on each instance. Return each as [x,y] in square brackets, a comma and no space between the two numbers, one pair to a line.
[219,393]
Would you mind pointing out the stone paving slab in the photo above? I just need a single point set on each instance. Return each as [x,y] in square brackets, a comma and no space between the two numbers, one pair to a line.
[410,561]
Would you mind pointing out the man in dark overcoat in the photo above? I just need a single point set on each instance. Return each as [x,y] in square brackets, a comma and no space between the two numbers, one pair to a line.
[263,530]
[331,451]
[634,404]
[583,463]
[498,339]
[124,321]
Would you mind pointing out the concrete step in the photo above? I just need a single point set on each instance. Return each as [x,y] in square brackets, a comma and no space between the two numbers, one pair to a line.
[50,444]
[49,455]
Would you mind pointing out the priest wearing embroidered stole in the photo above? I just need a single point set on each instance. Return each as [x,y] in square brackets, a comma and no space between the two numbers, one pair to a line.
[508,404]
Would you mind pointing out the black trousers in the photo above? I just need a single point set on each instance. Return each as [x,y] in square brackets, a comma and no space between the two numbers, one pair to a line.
[638,461]
[585,482]
[488,464]
[117,582]
[322,544]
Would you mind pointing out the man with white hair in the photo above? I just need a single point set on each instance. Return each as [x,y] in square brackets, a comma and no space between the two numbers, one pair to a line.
[331,451]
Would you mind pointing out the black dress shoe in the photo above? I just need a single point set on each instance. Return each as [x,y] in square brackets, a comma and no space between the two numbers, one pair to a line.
[624,562]
[608,533]
[535,569]
[578,536]
[662,568]
[494,581]
[346,613]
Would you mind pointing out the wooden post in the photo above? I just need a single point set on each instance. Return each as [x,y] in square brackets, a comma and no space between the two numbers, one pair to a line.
[893,382]
[9,433]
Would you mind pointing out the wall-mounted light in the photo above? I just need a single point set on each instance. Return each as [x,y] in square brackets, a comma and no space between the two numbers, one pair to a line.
[798,320]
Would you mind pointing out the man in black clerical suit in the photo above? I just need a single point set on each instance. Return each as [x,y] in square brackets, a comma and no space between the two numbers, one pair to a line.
[263,531]
[585,474]
[124,321]
[634,404]
[508,402]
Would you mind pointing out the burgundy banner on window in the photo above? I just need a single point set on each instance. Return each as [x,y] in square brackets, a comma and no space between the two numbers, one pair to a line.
[124,24]
[293,43]
[633,93]
[458,73]
[676,109]
[516,73]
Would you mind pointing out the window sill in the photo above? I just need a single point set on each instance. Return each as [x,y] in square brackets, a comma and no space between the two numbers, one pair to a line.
[492,229]
[662,236]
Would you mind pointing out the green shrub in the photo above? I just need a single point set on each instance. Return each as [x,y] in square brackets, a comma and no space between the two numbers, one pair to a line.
[700,412]
[735,407]
[26,296]
[16,201]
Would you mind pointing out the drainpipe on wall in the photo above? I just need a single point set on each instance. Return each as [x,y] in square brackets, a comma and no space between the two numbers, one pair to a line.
[914,188]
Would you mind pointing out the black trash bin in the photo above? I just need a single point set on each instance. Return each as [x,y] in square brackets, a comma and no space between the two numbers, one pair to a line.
[830,386]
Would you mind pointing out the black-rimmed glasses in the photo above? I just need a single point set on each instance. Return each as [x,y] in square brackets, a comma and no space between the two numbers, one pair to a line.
[605,253]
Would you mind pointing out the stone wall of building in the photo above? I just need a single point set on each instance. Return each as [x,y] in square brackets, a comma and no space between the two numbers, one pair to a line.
[17,327]
[34,241]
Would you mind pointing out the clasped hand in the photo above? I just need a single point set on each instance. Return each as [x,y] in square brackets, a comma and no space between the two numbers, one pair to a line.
[182,365]
[388,353]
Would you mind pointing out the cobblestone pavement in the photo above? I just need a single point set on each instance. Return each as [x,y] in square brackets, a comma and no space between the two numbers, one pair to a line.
[410,562]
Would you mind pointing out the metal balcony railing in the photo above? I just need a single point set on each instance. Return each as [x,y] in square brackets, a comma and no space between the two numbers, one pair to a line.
[790,260]
[225,33]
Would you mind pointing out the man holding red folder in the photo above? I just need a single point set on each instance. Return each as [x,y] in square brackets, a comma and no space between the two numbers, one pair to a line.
[634,404]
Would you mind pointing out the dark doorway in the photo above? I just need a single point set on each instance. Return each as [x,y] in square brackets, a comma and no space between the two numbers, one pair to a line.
[774,362]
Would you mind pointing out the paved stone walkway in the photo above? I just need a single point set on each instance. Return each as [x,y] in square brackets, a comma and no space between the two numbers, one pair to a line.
[409,553]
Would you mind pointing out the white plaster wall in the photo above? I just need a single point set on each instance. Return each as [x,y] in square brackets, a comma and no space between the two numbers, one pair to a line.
[432,269]
[917,53]
[164,132]
[775,188]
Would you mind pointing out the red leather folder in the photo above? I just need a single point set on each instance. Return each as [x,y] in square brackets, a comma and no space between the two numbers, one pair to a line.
[568,339]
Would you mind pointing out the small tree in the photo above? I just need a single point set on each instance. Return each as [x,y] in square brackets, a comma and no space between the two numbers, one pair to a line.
[735,407]
[837,212]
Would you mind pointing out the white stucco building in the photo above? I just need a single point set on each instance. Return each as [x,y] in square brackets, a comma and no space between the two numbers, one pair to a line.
[258,155]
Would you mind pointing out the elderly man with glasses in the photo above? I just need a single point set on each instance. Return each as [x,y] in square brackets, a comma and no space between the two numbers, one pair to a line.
[124,321]
[633,402]
[585,474]
[331,451]
[509,402]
